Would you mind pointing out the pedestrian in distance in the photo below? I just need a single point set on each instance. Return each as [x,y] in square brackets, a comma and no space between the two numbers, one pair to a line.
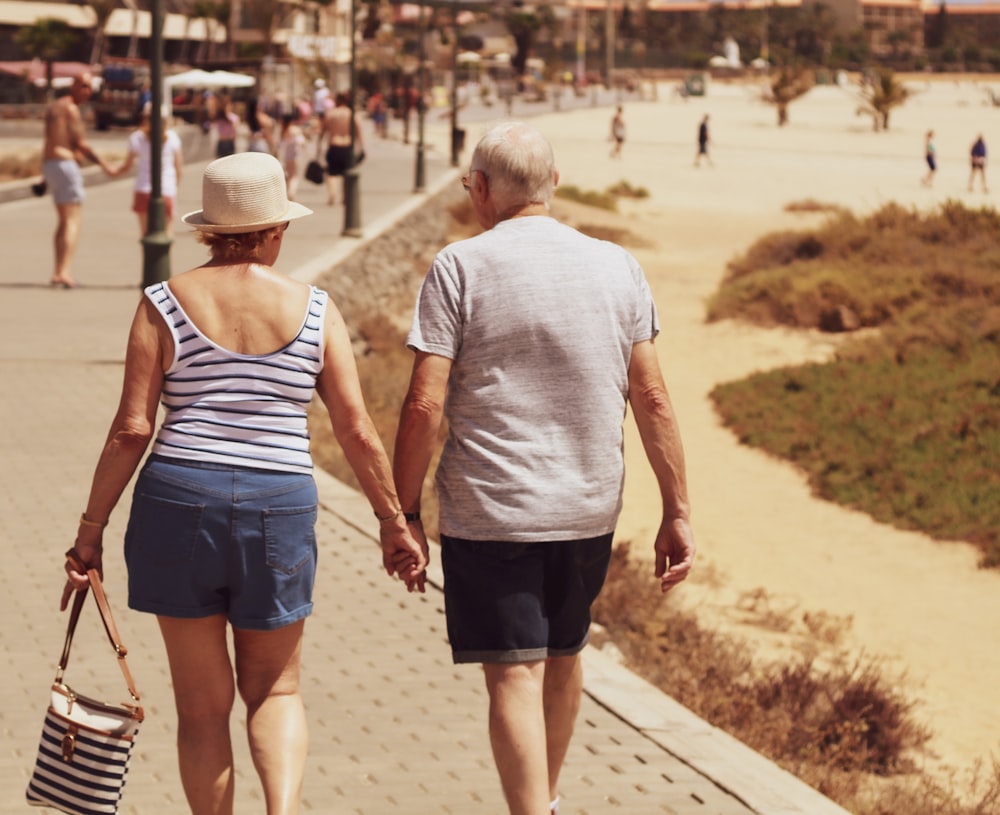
[221,540]
[617,133]
[226,125]
[64,148]
[335,134]
[139,155]
[291,143]
[930,156]
[703,141]
[977,160]
[530,478]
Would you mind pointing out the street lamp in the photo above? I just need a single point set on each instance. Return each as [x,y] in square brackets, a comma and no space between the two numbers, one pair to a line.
[156,242]
[454,86]
[419,182]
[352,193]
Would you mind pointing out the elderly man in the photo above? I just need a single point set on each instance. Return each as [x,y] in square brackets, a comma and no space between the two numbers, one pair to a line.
[539,337]
[65,146]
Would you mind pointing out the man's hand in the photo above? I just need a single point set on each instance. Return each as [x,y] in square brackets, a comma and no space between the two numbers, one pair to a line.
[675,550]
[405,553]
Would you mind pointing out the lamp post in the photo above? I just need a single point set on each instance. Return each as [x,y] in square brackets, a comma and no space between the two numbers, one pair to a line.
[454,85]
[156,242]
[352,194]
[419,181]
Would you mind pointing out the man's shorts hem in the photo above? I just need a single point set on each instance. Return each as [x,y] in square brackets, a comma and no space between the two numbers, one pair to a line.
[515,657]
[201,613]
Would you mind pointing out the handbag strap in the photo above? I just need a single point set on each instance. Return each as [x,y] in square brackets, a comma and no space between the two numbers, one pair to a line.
[109,622]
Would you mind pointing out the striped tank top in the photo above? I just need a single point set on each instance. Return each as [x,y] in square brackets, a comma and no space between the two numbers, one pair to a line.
[238,409]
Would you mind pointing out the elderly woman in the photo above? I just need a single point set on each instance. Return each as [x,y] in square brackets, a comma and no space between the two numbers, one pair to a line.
[221,532]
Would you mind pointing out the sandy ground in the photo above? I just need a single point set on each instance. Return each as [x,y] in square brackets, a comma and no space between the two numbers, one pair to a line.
[921,607]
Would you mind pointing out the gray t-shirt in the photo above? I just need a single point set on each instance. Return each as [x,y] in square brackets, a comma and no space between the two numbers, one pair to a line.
[539,321]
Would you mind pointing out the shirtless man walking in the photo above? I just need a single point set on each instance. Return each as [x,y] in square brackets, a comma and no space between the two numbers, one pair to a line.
[336,133]
[65,146]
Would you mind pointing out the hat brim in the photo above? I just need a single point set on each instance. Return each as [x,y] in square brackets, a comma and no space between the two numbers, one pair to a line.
[197,220]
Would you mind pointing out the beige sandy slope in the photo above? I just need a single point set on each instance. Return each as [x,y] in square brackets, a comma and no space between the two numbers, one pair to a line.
[921,606]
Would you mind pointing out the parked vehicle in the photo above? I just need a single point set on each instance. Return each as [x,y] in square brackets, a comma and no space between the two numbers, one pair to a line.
[121,96]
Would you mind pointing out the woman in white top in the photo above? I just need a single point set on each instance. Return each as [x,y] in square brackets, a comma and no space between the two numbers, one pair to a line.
[171,169]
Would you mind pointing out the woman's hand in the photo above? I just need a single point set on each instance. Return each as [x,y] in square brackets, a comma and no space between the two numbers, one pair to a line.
[85,555]
[405,553]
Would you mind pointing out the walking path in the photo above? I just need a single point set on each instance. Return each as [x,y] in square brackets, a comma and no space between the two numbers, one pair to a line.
[395,727]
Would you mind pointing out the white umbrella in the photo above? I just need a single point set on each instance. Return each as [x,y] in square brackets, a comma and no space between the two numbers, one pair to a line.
[214,79]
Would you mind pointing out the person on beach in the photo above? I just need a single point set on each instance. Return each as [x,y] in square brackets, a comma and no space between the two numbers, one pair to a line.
[617,133]
[930,156]
[532,340]
[703,140]
[64,147]
[335,133]
[171,169]
[221,540]
[977,160]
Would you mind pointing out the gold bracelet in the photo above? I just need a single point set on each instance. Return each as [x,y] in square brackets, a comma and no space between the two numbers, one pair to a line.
[387,518]
[85,521]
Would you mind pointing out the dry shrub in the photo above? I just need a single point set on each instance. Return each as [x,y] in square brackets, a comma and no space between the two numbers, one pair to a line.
[844,728]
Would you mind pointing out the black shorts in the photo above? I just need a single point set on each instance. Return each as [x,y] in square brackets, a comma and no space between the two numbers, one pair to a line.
[338,159]
[521,602]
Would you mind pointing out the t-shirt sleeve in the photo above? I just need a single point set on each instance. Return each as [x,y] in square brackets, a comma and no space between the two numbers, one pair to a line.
[437,319]
[647,320]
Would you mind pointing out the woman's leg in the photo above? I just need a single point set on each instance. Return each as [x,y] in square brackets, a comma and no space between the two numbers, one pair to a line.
[267,675]
[204,692]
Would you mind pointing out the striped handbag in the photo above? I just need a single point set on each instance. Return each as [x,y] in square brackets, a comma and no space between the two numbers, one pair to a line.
[86,745]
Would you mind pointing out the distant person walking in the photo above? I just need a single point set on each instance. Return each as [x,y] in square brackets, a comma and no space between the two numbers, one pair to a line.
[703,140]
[172,167]
[65,146]
[335,132]
[291,142]
[930,155]
[226,124]
[978,161]
[617,133]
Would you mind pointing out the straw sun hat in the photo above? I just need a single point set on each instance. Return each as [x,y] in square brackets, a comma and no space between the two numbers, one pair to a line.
[244,192]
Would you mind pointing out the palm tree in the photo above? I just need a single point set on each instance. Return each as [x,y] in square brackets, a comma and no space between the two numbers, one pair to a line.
[47,39]
[788,84]
[102,13]
[879,96]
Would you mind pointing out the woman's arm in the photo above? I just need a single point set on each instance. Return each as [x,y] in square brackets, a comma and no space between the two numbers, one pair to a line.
[339,388]
[128,438]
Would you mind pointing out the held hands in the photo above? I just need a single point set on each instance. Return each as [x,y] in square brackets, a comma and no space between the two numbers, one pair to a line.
[675,550]
[405,553]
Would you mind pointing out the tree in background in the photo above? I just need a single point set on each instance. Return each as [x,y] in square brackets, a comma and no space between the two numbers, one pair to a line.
[48,39]
[524,24]
[102,13]
[880,93]
[786,85]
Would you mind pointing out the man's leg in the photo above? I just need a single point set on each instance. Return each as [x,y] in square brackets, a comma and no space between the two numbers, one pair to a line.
[66,237]
[517,734]
[204,693]
[561,694]
[267,674]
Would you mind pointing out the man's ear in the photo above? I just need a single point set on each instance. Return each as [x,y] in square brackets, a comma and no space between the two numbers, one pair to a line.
[555,179]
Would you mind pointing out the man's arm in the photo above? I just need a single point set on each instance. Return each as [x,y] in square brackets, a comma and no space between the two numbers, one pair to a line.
[657,424]
[78,141]
[419,422]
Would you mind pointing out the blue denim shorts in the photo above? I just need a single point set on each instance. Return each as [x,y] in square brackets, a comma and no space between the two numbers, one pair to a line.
[521,602]
[207,539]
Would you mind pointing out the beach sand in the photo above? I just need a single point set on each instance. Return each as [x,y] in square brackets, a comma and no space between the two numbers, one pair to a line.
[920,607]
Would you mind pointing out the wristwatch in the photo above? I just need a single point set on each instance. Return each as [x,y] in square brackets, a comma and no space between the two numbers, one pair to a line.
[411,517]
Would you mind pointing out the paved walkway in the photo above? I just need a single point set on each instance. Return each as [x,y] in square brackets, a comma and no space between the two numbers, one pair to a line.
[395,727]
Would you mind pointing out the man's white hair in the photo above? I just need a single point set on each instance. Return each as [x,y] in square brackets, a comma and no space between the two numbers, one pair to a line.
[519,163]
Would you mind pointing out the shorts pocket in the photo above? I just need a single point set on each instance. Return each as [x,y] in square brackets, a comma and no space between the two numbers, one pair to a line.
[163,531]
[289,537]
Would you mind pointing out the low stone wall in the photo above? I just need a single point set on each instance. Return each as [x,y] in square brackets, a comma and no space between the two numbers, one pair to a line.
[382,277]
